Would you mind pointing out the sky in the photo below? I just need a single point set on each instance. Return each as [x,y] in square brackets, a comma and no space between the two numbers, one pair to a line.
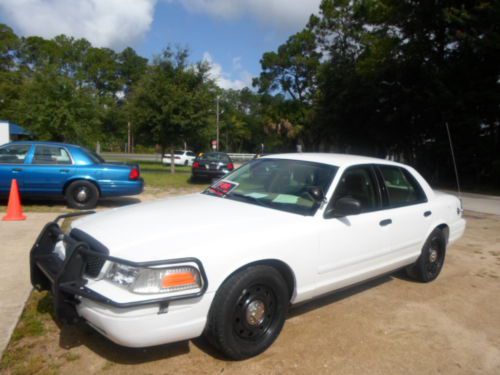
[230,34]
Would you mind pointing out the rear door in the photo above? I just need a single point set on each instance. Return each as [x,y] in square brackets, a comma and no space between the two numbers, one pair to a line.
[50,168]
[12,159]
[408,210]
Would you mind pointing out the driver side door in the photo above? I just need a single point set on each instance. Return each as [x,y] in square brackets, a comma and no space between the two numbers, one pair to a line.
[352,248]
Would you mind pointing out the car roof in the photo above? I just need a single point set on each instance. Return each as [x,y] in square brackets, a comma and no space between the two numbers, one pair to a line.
[339,160]
[214,152]
[44,143]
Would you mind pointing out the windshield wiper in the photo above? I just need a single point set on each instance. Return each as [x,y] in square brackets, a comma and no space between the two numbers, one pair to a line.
[249,198]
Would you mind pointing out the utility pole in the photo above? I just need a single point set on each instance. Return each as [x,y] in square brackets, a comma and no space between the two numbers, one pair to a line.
[129,137]
[217,139]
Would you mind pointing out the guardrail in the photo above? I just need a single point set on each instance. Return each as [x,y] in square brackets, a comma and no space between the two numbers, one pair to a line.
[119,156]
[241,157]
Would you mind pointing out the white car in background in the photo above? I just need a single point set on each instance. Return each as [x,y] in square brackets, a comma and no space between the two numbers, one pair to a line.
[181,157]
[279,230]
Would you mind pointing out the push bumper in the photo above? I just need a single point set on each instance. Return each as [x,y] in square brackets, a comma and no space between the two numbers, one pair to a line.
[134,324]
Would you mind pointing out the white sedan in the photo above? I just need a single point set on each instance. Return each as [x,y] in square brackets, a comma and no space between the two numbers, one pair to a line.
[181,157]
[279,230]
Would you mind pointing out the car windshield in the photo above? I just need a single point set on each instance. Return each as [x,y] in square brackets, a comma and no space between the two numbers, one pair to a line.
[280,184]
[215,156]
[94,156]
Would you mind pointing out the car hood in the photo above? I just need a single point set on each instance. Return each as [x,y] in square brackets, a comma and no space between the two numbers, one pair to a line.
[173,227]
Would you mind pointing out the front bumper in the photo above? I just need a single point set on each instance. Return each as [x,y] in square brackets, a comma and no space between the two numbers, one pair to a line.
[135,324]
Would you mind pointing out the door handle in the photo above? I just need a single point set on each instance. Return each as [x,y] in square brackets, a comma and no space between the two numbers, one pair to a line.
[64,170]
[427,213]
[385,222]
[17,169]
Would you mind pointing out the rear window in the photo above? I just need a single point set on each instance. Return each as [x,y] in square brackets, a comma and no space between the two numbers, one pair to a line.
[51,155]
[94,156]
[215,156]
[402,188]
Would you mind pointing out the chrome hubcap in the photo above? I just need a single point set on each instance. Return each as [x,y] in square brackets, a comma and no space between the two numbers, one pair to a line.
[255,312]
[433,255]
[81,196]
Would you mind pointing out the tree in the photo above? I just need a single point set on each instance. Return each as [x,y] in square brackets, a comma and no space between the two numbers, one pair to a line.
[172,101]
[54,108]
[292,73]
[9,78]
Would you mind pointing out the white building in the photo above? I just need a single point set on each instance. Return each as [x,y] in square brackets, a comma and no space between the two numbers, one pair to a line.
[11,132]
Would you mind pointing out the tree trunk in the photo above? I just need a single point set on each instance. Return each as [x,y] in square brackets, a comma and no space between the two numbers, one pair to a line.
[172,159]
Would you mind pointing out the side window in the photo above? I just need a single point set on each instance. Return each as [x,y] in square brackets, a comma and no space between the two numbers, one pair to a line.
[191,153]
[359,183]
[51,155]
[13,154]
[401,186]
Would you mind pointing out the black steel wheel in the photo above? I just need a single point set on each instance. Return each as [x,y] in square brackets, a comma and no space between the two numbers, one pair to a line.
[248,312]
[431,260]
[82,195]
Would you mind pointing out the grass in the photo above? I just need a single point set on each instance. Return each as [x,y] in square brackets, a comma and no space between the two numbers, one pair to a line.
[157,175]
[18,357]
[36,311]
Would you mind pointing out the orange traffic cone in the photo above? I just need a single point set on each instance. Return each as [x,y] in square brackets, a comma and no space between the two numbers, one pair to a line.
[14,209]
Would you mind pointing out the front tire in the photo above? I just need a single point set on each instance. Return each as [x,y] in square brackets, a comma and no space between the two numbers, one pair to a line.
[82,195]
[248,312]
[431,260]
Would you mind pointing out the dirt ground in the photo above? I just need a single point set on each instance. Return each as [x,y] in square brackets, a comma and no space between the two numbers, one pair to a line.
[389,326]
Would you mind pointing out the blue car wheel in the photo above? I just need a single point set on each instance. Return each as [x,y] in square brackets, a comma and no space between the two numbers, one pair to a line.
[82,195]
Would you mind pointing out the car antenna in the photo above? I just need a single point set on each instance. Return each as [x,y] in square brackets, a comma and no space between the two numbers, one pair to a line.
[454,161]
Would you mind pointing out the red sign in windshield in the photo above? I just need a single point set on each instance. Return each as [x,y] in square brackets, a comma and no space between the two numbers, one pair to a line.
[223,187]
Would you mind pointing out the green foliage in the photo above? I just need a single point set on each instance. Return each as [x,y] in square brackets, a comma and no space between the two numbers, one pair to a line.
[172,102]
[54,108]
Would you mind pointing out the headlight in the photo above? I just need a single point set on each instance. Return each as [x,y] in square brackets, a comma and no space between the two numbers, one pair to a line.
[154,280]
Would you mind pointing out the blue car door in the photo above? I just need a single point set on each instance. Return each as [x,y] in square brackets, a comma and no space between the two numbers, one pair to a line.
[12,159]
[50,168]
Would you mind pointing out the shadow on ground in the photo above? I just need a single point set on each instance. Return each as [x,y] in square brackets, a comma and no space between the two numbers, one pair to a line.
[59,205]
[72,336]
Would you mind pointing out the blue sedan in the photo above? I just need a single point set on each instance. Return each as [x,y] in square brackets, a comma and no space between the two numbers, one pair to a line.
[50,169]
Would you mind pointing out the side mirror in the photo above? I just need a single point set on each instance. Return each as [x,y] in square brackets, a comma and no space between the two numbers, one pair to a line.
[343,207]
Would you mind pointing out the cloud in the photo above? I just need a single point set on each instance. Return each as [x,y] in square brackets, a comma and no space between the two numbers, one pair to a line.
[223,79]
[283,14]
[105,23]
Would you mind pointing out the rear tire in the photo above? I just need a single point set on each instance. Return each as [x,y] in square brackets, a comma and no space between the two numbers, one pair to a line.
[248,312]
[82,195]
[431,260]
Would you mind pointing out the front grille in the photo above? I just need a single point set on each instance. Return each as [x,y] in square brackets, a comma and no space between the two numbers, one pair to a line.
[94,263]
